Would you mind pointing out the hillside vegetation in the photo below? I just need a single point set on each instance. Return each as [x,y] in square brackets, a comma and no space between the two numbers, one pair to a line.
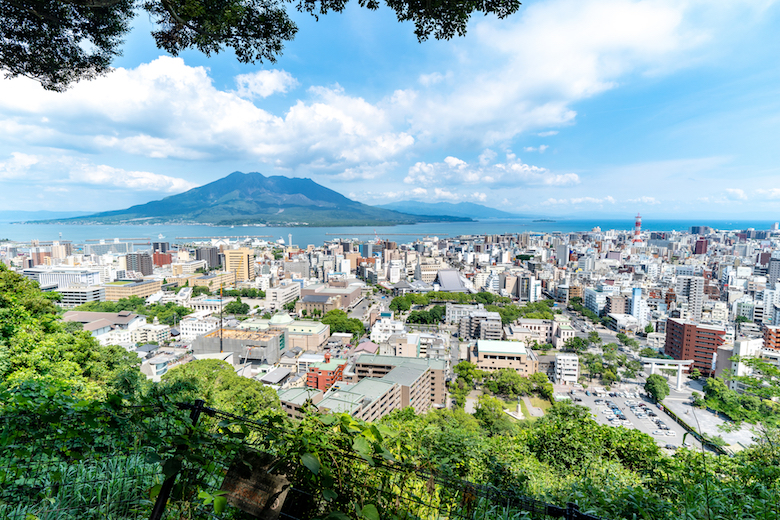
[59,383]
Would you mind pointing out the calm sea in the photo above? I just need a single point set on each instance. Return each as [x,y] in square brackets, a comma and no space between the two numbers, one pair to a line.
[303,236]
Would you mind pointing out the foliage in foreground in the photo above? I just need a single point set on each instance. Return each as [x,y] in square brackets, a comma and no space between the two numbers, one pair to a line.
[64,404]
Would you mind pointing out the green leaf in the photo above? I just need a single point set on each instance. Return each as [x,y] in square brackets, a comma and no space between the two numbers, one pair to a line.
[329,494]
[327,420]
[311,461]
[361,445]
[369,512]
[219,504]
[337,515]
[155,491]
[206,497]
[171,467]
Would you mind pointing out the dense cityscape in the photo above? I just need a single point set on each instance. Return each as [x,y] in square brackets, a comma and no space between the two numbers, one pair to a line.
[615,320]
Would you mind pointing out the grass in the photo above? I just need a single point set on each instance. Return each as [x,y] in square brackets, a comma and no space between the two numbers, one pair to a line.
[540,403]
[511,405]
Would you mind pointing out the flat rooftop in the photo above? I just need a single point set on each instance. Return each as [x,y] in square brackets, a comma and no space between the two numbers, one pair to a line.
[245,335]
[501,347]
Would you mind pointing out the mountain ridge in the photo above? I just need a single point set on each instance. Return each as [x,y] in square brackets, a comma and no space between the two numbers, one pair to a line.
[253,198]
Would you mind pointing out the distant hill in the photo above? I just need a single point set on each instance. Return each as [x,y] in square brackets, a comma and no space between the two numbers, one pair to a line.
[252,198]
[461,209]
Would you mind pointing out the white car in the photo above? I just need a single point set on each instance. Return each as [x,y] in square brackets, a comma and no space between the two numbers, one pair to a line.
[659,432]
[671,433]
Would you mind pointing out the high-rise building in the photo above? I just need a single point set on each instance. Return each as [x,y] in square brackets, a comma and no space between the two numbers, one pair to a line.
[772,337]
[701,247]
[241,262]
[686,340]
[773,273]
[209,254]
[692,288]
[140,263]
[162,247]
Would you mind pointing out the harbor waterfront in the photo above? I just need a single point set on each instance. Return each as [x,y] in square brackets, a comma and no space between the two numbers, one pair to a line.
[317,235]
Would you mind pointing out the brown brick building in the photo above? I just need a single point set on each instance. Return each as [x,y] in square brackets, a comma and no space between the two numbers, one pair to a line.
[686,340]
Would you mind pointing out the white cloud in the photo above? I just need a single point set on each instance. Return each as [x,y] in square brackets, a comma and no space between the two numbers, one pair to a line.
[167,109]
[103,175]
[548,133]
[769,193]
[580,200]
[366,171]
[264,83]
[48,172]
[435,77]
[644,200]
[513,172]
[548,57]
[540,149]
[440,193]
[735,194]
[482,197]
[17,165]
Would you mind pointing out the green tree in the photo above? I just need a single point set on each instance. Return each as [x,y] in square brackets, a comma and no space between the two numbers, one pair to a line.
[742,319]
[594,337]
[340,321]
[491,416]
[58,42]
[657,386]
[237,307]
[695,373]
[468,372]
[649,353]
[216,382]
[575,344]
[649,329]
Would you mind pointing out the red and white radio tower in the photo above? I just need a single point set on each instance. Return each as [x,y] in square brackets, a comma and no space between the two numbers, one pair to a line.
[638,229]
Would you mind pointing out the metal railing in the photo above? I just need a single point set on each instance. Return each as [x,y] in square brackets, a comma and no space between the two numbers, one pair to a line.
[66,474]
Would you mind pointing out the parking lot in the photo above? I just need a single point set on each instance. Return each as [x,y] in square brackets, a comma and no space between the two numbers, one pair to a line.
[642,418]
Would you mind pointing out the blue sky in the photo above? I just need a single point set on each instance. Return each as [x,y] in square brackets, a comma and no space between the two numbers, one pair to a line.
[568,108]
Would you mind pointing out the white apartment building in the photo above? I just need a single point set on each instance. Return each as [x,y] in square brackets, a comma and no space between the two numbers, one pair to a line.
[692,288]
[278,297]
[567,368]
[76,295]
[63,276]
[196,325]
[385,327]
[454,311]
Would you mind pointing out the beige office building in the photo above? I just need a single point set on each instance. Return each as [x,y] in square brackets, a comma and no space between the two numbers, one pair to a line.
[241,262]
[115,291]
[494,355]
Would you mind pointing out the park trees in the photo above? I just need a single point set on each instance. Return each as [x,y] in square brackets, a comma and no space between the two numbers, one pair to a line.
[657,386]
[216,382]
[237,307]
[340,321]
[575,344]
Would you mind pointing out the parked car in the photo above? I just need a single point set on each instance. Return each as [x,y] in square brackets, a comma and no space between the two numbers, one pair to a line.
[671,433]
[659,432]
[670,447]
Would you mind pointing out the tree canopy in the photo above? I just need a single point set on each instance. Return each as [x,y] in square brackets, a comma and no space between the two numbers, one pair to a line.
[657,386]
[60,42]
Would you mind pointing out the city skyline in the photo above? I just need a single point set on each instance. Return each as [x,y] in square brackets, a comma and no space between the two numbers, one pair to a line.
[601,107]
